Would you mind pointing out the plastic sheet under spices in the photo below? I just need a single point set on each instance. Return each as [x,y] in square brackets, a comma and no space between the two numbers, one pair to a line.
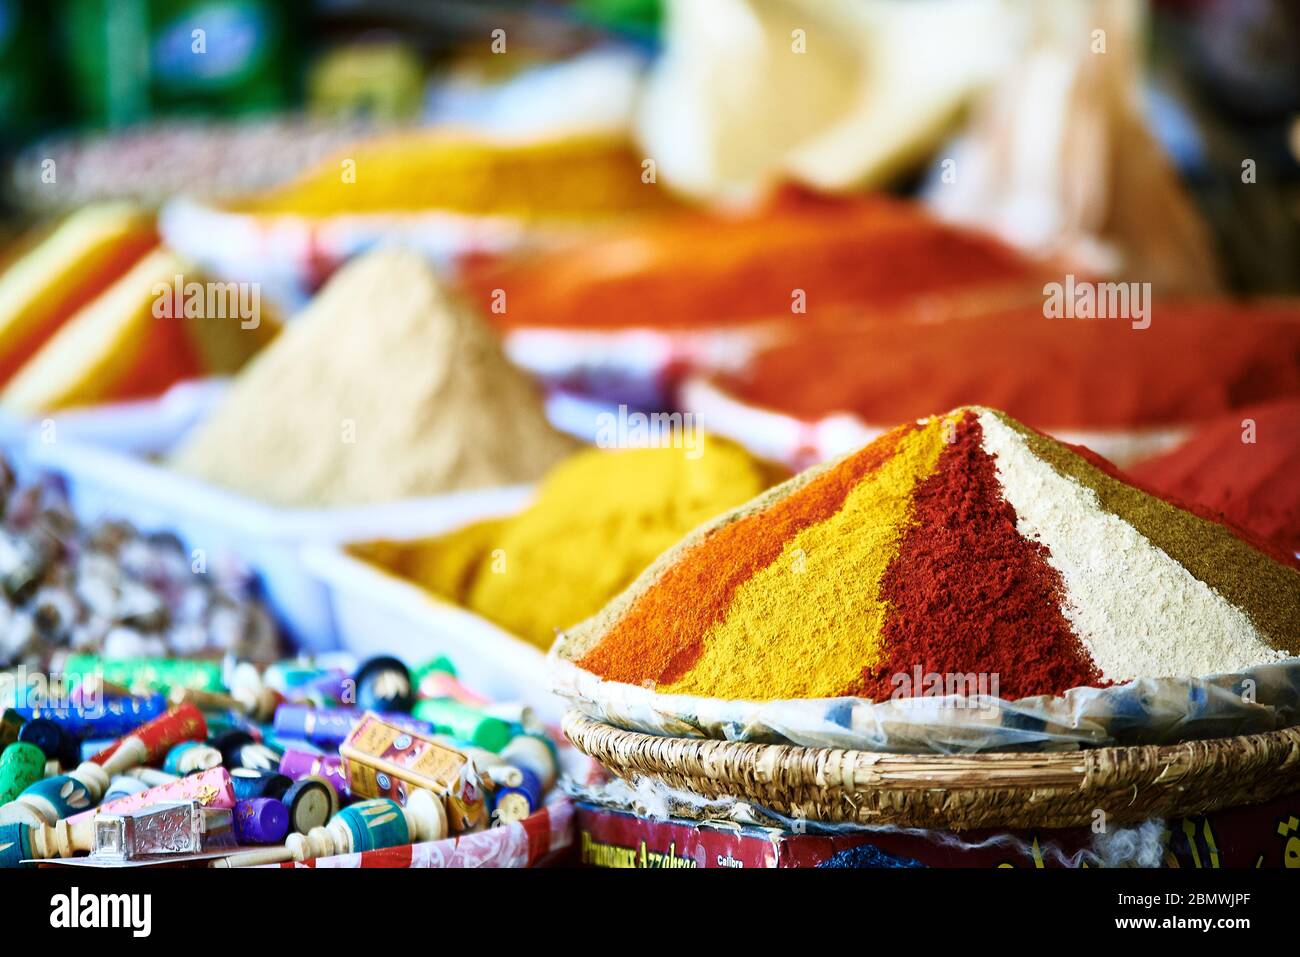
[1145,711]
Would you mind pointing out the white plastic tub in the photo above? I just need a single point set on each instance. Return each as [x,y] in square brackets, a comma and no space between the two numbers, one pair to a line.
[142,426]
[103,483]
[380,612]
[290,255]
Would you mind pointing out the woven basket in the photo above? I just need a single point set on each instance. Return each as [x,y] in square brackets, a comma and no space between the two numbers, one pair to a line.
[957,792]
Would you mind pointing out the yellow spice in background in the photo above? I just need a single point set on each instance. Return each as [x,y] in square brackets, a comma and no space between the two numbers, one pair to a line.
[575,177]
[53,274]
[116,348]
[449,565]
[599,519]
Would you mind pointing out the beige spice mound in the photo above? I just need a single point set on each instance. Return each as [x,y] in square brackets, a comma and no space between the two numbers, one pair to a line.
[385,387]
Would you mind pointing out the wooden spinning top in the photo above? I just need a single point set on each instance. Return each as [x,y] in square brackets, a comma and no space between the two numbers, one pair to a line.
[368,825]
[364,826]
[49,799]
[62,838]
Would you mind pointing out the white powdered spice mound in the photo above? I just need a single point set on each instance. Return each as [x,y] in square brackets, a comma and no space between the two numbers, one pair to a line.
[385,387]
[1138,612]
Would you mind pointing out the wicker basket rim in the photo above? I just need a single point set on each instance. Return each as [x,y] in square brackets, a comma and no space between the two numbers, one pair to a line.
[987,789]
[1052,763]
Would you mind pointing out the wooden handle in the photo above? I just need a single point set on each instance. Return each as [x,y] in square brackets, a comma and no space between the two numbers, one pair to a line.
[299,847]
[426,818]
[263,855]
[62,839]
[128,754]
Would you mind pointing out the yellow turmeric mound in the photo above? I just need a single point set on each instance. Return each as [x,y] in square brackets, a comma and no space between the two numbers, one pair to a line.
[573,178]
[600,517]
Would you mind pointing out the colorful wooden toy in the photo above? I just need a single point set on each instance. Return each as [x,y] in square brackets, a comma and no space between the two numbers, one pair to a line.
[210,788]
[464,723]
[312,801]
[260,821]
[363,826]
[383,684]
[21,766]
[110,718]
[298,764]
[537,754]
[149,743]
[515,802]
[252,783]
[49,799]
[190,756]
[56,743]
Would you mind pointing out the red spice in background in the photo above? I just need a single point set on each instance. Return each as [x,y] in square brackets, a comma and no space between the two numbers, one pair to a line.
[166,357]
[968,593]
[89,284]
[1196,360]
[709,270]
[1256,486]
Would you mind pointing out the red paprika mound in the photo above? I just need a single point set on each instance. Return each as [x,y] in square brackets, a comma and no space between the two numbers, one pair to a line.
[966,587]
[1244,465]
[1196,360]
[699,270]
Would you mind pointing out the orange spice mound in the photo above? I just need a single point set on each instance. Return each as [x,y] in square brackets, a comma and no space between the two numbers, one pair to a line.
[1196,360]
[713,270]
[660,638]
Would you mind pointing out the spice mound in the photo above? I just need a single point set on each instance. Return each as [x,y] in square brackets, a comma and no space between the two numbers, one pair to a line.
[385,387]
[56,273]
[598,520]
[962,544]
[574,178]
[1061,373]
[798,254]
[1245,464]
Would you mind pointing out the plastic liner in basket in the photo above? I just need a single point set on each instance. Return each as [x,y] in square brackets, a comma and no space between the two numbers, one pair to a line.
[1146,711]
